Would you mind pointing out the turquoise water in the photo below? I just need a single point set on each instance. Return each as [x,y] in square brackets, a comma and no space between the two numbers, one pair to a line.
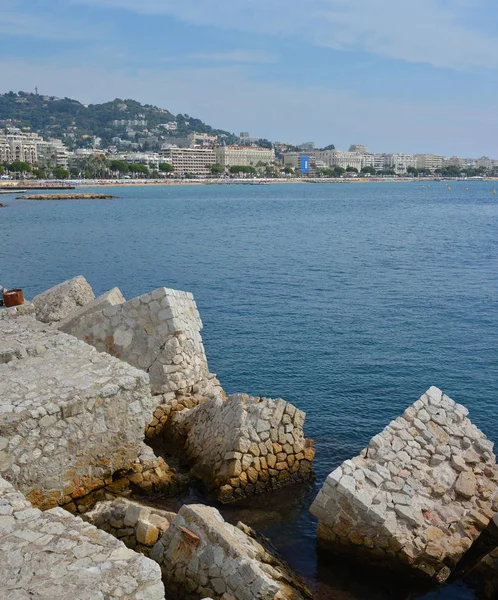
[347,300]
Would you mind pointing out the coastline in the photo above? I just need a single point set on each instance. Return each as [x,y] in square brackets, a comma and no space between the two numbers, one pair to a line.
[89,183]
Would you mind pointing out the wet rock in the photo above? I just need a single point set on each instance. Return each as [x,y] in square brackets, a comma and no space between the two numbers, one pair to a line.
[230,445]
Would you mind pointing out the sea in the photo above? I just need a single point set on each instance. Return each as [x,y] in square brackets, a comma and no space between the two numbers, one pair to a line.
[348,300]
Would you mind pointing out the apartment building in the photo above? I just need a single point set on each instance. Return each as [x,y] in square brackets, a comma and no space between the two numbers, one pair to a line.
[244,156]
[338,158]
[197,161]
[429,161]
[52,153]
[18,145]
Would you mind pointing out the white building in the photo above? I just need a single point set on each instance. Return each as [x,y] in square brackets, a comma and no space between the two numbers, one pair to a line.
[52,153]
[197,161]
[150,159]
[485,162]
[17,145]
[429,161]
[401,162]
[338,158]
[243,156]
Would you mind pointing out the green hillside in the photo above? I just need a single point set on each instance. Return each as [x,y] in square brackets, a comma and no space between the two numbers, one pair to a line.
[77,124]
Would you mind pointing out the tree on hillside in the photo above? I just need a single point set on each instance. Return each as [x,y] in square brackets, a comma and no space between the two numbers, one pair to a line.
[329,147]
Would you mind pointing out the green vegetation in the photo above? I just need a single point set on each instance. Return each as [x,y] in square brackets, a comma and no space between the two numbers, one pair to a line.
[119,165]
[60,173]
[39,174]
[350,169]
[216,170]
[369,170]
[237,169]
[18,166]
[77,124]
[138,168]
[166,167]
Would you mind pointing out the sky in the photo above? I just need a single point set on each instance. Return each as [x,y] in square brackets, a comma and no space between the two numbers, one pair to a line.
[395,75]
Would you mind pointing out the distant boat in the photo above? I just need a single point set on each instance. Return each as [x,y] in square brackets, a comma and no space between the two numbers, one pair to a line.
[449,188]
[494,192]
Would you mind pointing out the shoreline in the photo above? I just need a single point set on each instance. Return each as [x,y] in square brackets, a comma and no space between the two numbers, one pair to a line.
[27,185]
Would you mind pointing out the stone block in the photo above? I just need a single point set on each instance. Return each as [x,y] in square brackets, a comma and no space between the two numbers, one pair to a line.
[217,433]
[59,302]
[227,560]
[72,416]
[52,553]
[70,324]
[160,333]
[425,489]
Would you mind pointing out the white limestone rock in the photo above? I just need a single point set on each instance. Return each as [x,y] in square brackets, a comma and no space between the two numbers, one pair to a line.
[60,301]
[200,551]
[55,555]
[422,491]
[113,297]
[160,333]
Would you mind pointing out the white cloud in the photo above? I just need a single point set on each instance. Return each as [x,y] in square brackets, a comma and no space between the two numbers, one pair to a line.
[289,113]
[428,31]
[16,21]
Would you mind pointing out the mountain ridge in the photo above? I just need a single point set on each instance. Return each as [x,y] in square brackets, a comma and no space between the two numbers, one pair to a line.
[78,124]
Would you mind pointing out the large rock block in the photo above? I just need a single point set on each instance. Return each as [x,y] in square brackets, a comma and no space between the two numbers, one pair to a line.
[71,323]
[201,555]
[159,333]
[138,526]
[69,416]
[421,492]
[60,301]
[245,445]
[55,555]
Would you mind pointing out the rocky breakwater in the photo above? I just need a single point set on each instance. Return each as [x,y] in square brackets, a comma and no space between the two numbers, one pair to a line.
[159,333]
[55,555]
[71,419]
[420,494]
[245,446]
[199,553]
[66,197]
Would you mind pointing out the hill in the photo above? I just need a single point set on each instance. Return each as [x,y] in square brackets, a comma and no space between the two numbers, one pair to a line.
[78,124]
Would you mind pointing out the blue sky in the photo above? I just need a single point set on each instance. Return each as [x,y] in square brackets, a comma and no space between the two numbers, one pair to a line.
[398,76]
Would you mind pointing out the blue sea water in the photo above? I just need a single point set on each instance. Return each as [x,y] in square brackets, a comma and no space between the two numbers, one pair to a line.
[347,300]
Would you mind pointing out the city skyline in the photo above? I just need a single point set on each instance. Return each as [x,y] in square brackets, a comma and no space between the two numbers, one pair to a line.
[400,79]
